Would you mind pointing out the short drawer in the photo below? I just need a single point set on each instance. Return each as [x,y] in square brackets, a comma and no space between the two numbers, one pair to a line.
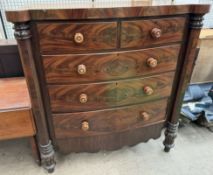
[108,121]
[82,68]
[144,33]
[84,97]
[63,38]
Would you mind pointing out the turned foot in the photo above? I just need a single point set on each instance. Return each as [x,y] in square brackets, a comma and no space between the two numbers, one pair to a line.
[170,135]
[47,157]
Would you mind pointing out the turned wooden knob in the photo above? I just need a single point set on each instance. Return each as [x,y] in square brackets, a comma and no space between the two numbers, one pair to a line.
[156,33]
[82,69]
[144,116]
[83,98]
[79,38]
[85,126]
[148,90]
[152,62]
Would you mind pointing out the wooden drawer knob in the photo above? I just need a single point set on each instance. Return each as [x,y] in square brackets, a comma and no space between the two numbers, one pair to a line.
[156,33]
[82,69]
[85,126]
[144,116]
[83,98]
[148,90]
[152,62]
[79,38]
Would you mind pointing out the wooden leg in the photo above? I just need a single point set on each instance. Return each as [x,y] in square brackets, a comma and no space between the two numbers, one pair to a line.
[170,135]
[35,150]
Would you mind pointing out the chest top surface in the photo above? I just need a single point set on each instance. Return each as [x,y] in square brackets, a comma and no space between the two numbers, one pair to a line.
[103,10]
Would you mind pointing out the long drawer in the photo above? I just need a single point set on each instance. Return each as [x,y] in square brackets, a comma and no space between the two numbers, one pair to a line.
[143,33]
[82,68]
[86,97]
[108,121]
[70,37]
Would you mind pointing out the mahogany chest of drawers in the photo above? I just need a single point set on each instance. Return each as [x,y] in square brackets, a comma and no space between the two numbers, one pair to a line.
[101,77]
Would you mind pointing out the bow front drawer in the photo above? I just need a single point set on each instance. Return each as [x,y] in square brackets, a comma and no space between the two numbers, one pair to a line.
[108,121]
[78,68]
[94,96]
[63,38]
[145,33]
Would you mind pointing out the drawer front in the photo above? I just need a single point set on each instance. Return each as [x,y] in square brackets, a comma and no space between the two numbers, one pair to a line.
[101,67]
[62,38]
[143,33]
[16,124]
[111,141]
[107,121]
[84,97]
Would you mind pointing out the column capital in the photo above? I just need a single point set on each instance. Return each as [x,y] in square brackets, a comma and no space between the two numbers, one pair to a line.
[22,31]
[196,21]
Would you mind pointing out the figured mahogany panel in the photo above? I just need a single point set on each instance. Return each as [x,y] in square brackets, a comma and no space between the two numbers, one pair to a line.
[62,38]
[141,33]
[110,66]
[108,121]
[83,97]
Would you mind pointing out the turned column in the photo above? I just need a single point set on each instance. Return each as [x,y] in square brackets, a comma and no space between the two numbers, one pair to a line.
[23,36]
[195,25]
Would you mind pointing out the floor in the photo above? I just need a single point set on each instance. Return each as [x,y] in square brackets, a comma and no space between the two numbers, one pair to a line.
[192,155]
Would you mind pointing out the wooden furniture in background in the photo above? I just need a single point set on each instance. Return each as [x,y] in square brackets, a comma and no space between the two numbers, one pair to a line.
[16,119]
[204,60]
[103,77]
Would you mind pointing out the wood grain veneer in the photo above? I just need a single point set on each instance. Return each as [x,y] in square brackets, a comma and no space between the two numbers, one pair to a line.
[109,66]
[110,141]
[65,98]
[108,121]
[58,38]
[137,33]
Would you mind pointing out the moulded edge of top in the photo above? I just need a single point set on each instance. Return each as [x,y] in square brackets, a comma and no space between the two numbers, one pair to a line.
[101,13]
